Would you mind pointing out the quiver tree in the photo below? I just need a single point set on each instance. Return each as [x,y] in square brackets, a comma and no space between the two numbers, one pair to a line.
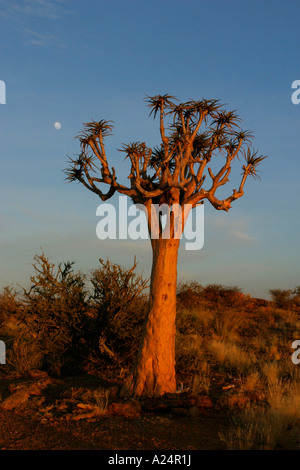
[196,137]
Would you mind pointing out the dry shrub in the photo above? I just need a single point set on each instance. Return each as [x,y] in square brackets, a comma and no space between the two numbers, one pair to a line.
[223,296]
[72,326]
[282,298]
[189,294]
[25,356]
[119,312]
[55,314]
[9,305]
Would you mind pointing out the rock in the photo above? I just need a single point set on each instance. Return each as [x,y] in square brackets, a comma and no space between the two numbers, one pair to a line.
[37,388]
[195,406]
[34,388]
[204,402]
[16,399]
[20,393]
[90,415]
[85,406]
[38,374]
[130,409]
[181,411]
[228,387]
[63,406]
[156,407]
[192,401]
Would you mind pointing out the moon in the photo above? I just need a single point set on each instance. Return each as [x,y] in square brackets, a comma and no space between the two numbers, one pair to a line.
[57,125]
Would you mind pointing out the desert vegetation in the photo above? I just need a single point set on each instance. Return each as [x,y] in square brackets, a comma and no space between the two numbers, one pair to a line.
[233,352]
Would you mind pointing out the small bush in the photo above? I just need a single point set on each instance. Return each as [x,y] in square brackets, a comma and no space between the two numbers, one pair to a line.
[282,298]
[9,304]
[223,296]
[189,293]
[25,356]
[55,313]
[119,312]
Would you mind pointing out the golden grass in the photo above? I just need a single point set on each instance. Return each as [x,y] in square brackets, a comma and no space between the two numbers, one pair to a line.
[261,429]
[250,350]
[202,379]
[230,354]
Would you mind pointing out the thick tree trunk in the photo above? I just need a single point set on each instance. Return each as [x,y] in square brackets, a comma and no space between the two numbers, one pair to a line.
[154,371]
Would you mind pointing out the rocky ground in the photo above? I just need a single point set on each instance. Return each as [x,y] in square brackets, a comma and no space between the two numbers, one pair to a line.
[40,412]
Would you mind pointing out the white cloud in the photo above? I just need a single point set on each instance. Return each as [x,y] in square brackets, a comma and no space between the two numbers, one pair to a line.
[240,235]
[41,39]
[35,8]
[231,229]
[22,14]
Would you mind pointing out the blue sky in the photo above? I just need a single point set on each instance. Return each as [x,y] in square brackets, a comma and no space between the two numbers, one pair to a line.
[75,61]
